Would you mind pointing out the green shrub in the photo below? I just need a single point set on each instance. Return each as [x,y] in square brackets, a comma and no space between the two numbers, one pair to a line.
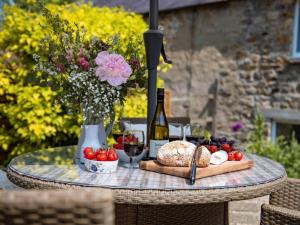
[29,117]
[286,152]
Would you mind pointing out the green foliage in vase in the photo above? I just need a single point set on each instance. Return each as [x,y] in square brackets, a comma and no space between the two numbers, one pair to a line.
[286,152]
[29,118]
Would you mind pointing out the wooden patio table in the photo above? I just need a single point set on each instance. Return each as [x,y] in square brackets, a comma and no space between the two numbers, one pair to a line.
[143,197]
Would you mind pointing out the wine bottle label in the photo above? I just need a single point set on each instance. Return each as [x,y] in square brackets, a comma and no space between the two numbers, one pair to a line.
[154,146]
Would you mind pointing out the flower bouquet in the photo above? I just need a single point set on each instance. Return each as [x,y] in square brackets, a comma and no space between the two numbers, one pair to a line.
[88,74]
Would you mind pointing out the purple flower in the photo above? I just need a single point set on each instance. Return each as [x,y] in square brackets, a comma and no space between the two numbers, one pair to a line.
[237,126]
[112,68]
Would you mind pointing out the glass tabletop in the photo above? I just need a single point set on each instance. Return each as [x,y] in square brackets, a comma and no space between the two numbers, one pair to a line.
[59,165]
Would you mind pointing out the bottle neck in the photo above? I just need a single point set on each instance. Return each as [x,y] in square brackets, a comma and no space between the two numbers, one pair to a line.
[160,98]
[160,104]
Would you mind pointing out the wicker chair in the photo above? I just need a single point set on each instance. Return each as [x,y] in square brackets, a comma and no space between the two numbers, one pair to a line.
[84,207]
[284,207]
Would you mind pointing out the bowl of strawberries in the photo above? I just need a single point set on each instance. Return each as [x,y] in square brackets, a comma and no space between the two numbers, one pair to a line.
[101,160]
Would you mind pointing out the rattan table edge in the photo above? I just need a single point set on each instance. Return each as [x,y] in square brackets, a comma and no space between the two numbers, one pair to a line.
[161,197]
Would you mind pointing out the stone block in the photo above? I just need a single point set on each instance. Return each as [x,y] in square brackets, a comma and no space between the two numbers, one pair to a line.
[177,28]
[180,108]
[270,75]
[199,107]
[178,81]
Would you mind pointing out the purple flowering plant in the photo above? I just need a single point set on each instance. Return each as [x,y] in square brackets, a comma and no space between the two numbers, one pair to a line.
[236,127]
[88,74]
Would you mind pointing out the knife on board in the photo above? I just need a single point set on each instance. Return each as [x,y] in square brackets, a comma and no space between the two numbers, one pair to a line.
[194,167]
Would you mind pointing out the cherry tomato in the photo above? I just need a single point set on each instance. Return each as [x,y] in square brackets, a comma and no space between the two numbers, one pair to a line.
[87,150]
[213,148]
[90,155]
[127,139]
[134,139]
[119,146]
[112,155]
[226,147]
[238,155]
[101,157]
[231,156]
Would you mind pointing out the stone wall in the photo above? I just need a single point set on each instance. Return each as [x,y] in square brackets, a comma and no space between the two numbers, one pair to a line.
[246,45]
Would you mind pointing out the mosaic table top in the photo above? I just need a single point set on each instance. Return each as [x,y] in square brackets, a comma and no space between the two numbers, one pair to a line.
[58,165]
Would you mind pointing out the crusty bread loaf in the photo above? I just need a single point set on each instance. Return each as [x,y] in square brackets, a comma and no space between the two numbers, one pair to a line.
[180,153]
[203,157]
[176,153]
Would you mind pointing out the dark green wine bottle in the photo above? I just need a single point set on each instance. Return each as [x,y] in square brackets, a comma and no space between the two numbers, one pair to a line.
[159,128]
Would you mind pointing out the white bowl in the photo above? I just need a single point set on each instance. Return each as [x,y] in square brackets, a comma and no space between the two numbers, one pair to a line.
[123,157]
[101,166]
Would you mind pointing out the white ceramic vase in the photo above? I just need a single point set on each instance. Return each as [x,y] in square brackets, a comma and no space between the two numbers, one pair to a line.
[94,136]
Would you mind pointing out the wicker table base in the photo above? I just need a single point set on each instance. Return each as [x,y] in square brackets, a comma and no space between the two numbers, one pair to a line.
[138,207]
[202,214]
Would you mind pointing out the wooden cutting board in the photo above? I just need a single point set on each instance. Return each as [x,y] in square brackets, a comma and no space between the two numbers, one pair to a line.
[211,170]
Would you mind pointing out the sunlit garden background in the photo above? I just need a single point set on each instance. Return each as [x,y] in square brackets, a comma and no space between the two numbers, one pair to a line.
[30,117]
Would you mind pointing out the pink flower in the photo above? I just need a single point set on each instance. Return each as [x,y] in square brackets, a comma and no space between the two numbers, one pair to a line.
[112,68]
[135,63]
[84,63]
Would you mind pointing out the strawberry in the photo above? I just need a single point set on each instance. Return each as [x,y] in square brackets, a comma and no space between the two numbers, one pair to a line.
[213,148]
[100,151]
[90,155]
[102,157]
[120,139]
[87,150]
[119,146]
[112,155]
[134,139]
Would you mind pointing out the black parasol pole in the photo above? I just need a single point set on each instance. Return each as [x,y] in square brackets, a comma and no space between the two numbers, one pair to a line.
[153,39]
[153,14]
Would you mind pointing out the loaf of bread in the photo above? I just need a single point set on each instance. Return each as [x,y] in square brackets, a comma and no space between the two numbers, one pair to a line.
[203,157]
[180,153]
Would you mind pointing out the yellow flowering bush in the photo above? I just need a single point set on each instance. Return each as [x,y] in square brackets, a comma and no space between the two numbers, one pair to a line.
[30,119]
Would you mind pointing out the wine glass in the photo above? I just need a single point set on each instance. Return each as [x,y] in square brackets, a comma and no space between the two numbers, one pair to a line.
[133,144]
[193,133]
[175,131]
[117,130]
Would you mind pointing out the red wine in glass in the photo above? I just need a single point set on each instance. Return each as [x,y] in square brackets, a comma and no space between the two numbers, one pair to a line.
[191,138]
[174,138]
[133,144]
[133,149]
